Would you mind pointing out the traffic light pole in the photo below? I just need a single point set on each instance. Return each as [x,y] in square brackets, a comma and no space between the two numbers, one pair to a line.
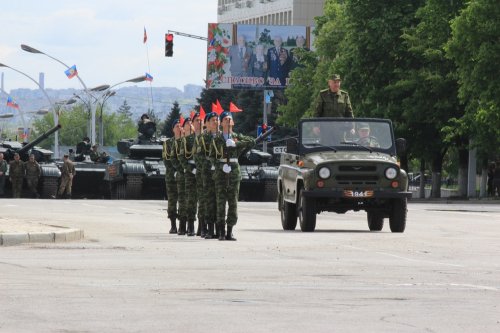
[186,35]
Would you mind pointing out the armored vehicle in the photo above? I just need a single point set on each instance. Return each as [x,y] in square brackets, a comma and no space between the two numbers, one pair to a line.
[141,173]
[339,165]
[50,173]
[258,176]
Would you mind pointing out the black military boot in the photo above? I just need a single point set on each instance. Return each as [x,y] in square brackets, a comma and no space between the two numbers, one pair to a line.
[173,226]
[182,227]
[210,233]
[190,230]
[198,231]
[229,234]
[222,232]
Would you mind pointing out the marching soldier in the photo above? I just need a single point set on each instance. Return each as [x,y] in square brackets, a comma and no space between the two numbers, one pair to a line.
[200,163]
[16,174]
[33,172]
[227,146]
[168,155]
[188,164]
[179,176]
[210,198]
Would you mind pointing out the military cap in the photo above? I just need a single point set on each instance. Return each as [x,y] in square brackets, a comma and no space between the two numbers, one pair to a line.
[175,122]
[364,126]
[224,115]
[196,115]
[210,115]
[335,77]
[144,115]
[185,119]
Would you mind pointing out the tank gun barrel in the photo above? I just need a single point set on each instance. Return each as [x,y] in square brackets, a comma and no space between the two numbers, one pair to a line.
[39,139]
[264,136]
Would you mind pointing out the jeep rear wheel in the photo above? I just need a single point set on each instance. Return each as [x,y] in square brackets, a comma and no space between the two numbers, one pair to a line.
[288,214]
[375,221]
[307,213]
[397,218]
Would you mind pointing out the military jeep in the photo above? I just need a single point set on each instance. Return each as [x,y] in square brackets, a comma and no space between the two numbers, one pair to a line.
[342,164]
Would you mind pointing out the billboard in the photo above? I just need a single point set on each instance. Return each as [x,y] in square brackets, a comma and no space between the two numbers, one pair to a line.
[242,56]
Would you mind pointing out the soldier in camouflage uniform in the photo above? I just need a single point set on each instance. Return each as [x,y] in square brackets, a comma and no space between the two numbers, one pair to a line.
[227,147]
[16,174]
[200,163]
[67,173]
[210,198]
[168,154]
[188,164]
[33,172]
[333,102]
[178,142]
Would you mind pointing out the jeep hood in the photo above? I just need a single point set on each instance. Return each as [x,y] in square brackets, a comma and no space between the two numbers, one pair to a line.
[349,156]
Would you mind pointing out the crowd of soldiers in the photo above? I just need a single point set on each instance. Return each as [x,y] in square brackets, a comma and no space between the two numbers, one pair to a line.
[203,175]
[18,171]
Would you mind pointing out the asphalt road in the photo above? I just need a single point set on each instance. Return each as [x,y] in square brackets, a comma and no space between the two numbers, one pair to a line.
[130,275]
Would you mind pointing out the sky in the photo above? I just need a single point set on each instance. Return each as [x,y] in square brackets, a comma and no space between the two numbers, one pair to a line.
[104,39]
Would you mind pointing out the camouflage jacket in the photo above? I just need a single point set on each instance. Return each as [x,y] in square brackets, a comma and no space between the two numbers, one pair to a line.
[16,169]
[32,169]
[330,104]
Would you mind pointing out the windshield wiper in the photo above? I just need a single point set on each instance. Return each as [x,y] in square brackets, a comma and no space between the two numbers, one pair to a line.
[351,143]
[321,145]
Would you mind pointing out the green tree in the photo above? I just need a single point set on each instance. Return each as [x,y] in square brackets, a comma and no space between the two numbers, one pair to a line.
[125,109]
[174,114]
[475,48]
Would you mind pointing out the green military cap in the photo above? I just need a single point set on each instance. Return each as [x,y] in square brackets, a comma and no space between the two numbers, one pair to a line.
[364,126]
[335,77]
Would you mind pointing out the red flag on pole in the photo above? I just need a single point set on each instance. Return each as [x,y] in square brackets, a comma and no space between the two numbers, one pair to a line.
[234,108]
[214,108]
[181,120]
[202,113]
[191,115]
[220,109]
[145,36]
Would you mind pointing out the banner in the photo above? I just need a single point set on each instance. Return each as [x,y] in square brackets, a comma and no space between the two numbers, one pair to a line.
[253,56]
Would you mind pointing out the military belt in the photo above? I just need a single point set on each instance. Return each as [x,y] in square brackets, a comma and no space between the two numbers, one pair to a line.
[231,160]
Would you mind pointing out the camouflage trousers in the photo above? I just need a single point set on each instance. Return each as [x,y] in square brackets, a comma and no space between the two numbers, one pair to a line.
[191,195]
[227,188]
[209,196]
[200,190]
[65,185]
[17,186]
[171,193]
[181,196]
[32,183]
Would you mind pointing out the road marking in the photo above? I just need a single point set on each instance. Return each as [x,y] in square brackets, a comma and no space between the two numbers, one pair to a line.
[405,258]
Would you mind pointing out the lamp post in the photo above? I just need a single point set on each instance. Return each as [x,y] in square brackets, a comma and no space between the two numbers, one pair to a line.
[56,118]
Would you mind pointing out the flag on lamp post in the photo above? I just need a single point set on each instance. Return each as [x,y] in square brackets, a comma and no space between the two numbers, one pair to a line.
[145,36]
[71,72]
[11,103]
[149,77]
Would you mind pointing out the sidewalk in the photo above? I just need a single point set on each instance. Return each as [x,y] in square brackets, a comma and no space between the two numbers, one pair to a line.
[15,232]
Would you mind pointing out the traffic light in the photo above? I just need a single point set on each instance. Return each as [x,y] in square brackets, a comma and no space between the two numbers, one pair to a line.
[169,45]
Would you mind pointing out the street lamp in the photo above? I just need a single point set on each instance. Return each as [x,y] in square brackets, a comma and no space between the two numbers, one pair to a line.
[56,120]
[106,96]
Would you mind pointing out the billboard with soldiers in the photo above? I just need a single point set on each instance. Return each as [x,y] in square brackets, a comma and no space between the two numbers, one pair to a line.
[242,56]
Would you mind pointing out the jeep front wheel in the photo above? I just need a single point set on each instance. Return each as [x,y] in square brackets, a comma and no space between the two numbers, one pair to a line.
[375,221]
[307,213]
[288,214]
[397,218]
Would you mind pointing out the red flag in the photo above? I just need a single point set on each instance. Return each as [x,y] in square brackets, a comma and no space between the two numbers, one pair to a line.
[202,113]
[181,120]
[145,36]
[214,108]
[234,108]
[220,109]
[191,115]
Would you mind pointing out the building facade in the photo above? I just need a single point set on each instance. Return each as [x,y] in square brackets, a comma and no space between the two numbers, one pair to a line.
[270,12]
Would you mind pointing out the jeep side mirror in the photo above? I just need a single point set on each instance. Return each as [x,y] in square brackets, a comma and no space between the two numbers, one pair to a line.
[292,146]
[400,146]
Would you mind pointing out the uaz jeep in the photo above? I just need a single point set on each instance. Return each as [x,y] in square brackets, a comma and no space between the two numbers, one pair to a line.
[342,164]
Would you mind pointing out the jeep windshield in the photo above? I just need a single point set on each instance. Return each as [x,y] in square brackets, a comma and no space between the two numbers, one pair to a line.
[337,134]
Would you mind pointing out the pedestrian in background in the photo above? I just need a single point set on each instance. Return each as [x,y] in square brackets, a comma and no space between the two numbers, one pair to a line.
[33,173]
[3,171]
[16,175]
[67,173]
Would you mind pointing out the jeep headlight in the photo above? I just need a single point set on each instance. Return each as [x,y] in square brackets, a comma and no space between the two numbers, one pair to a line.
[391,173]
[324,173]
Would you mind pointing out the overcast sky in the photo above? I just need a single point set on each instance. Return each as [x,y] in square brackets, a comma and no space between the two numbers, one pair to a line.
[104,39]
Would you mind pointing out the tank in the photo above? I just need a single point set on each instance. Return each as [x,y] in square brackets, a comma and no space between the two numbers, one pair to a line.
[258,176]
[50,174]
[140,174]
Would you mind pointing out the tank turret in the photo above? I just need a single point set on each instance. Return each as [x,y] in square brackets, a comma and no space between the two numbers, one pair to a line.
[10,148]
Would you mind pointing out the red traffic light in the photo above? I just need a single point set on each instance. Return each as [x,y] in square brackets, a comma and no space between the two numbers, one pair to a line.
[169,37]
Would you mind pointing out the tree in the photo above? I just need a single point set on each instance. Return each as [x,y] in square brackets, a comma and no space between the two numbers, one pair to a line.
[125,109]
[475,48]
[174,114]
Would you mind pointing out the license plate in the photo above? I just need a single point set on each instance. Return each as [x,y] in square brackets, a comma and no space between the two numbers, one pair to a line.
[358,194]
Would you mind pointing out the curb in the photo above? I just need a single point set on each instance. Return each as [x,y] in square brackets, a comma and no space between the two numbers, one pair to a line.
[69,235]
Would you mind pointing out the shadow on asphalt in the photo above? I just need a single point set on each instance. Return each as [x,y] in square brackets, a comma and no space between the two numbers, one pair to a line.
[316,231]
